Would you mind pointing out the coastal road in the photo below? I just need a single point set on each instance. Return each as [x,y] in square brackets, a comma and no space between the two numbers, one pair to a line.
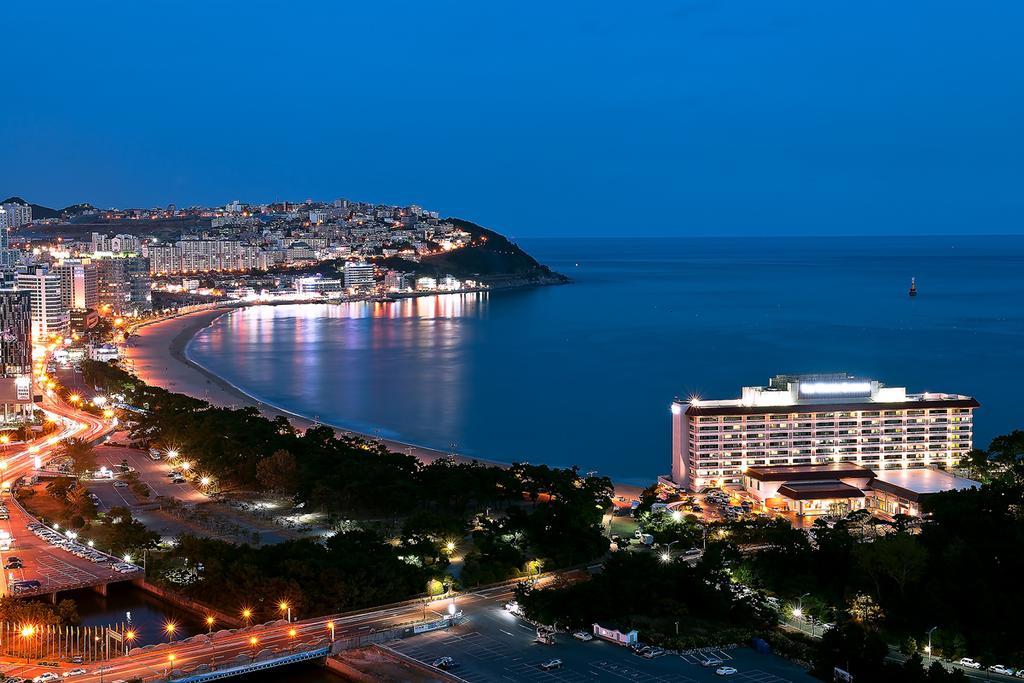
[55,568]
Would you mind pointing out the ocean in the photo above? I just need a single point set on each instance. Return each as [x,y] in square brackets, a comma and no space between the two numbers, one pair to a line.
[583,374]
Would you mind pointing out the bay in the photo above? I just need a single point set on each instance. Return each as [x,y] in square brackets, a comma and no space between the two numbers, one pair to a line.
[584,373]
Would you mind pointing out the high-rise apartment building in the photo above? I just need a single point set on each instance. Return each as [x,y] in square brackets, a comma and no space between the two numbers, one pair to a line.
[815,420]
[49,314]
[79,283]
[15,355]
[124,285]
[16,215]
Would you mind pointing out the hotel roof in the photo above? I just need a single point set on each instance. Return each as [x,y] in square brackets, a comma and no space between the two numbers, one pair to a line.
[915,483]
[736,406]
[826,472]
[818,490]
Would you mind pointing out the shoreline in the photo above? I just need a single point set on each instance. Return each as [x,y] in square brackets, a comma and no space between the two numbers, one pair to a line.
[157,354]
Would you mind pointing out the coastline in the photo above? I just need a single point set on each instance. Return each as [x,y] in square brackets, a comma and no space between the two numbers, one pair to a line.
[157,354]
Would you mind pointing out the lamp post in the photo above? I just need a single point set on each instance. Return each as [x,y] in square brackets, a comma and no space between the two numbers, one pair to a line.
[292,633]
[209,624]
[799,611]
[930,657]
[330,626]
[253,642]
[285,608]
[667,555]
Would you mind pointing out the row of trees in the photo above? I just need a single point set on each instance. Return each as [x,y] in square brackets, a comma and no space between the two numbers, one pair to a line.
[521,518]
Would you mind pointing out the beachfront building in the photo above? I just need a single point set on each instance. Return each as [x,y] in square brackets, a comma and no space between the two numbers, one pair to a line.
[124,285]
[358,274]
[817,420]
[838,488]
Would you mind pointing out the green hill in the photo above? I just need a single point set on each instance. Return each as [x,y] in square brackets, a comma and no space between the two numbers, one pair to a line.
[492,258]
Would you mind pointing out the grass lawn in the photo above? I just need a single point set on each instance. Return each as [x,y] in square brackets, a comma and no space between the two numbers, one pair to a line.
[41,504]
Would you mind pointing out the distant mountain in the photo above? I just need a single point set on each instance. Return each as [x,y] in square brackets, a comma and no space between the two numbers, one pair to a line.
[38,211]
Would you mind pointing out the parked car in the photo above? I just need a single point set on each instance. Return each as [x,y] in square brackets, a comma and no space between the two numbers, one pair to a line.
[120,483]
[44,678]
[1000,669]
[969,663]
[583,635]
[74,672]
[713,661]
[726,671]
[444,663]
[551,664]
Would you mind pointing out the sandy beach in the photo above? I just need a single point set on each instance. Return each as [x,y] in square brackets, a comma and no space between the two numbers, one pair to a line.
[156,353]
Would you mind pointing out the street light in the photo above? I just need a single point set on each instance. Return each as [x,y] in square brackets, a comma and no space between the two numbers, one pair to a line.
[799,611]
[129,636]
[667,555]
[253,642]
[291,635]
[209,624]
[330,626]
[247,615]
[170,627]
[285,607]
[931,658]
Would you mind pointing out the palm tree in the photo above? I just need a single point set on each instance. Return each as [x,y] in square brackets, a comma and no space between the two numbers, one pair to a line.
[81,453]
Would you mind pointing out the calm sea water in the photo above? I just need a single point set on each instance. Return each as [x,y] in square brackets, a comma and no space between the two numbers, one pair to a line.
[583,374]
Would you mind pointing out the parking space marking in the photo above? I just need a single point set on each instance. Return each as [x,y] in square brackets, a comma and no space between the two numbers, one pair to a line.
[630,674]
[758,676]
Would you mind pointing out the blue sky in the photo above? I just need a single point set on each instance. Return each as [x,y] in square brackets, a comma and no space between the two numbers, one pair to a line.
[556,118]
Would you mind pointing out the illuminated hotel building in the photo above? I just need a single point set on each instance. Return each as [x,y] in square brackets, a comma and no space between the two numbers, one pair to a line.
[816,420]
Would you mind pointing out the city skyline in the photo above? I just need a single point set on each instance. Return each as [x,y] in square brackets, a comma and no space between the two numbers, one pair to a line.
[692,119]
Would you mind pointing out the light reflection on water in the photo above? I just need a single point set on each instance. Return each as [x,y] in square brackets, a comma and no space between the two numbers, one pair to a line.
[584,374]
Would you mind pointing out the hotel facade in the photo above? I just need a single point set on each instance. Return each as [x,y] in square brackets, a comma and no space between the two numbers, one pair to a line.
[815,420]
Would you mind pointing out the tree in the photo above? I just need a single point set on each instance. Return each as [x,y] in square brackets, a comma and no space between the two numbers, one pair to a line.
[278,472]
[60,488]
[67,612]
[897,557]
[81,453]
[864,610]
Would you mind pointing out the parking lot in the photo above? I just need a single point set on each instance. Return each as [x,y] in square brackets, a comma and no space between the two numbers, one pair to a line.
[495,645]
[153,473]
[54,567]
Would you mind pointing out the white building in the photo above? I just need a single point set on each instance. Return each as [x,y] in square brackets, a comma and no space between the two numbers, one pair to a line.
[815,420]
[49,314]
[16,215]
[79,283]
[358,274]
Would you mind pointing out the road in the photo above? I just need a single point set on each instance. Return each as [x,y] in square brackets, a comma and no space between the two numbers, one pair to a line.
[222,647]
[55,568]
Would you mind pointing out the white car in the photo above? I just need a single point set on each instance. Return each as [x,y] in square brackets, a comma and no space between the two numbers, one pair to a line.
[74,672]
[48,676]
[1000,669]
[726,671]
[969,663]
[583,635]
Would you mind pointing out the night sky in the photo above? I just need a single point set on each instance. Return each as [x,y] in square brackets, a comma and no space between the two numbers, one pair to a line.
[554,118]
